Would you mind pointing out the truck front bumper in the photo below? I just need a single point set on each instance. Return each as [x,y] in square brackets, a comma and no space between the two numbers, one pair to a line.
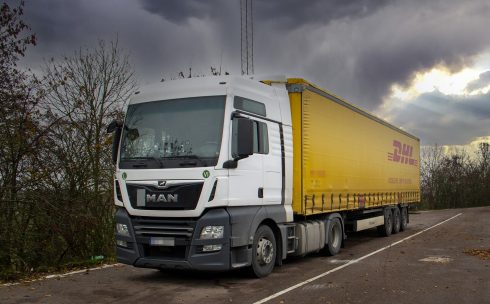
[173,243]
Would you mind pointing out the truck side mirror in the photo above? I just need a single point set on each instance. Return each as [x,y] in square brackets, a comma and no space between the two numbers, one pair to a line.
[113,126]
[244,137]
[241,142]
[116,127]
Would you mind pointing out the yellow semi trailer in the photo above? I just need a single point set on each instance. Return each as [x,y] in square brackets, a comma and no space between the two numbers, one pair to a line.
[345,158]
[220,173]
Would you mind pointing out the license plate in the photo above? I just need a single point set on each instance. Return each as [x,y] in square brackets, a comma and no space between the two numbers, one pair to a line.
[161,241]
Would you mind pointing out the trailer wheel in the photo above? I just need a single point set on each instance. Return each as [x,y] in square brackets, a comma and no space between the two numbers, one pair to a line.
[396,220]
[386,228]
[334,235]
[263,251]
[403,218]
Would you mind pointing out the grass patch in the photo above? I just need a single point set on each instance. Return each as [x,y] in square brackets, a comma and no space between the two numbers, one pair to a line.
[42,271]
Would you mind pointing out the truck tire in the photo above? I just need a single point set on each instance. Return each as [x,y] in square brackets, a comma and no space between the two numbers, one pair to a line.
[396,220]
[263,252]
[403,218]
[334,234]
[386,228]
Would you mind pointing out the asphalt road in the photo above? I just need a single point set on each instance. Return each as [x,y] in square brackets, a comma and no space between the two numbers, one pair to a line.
[428,265]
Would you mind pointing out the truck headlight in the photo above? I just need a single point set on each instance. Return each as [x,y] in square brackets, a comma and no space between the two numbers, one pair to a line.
[212,232]
[122,229]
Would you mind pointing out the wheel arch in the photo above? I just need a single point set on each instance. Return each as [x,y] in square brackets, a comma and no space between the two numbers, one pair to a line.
[277,235]
[246,220]
[329,219]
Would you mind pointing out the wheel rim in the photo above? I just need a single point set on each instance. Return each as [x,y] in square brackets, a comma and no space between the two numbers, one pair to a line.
[265,251]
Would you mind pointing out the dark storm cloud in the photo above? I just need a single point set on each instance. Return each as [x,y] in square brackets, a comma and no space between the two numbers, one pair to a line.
[292,13]
[443,119]
[179,11]
[480,83]
[356,49]
[283,13]
[62,26]
[371,54]
[158,48]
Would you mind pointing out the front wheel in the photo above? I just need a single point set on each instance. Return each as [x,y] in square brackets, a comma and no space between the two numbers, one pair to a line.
[263,251]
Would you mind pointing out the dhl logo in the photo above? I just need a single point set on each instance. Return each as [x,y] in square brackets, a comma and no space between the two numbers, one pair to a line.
[402,154]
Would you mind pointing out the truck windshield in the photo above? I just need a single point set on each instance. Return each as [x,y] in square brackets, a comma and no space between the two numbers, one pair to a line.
[173,133]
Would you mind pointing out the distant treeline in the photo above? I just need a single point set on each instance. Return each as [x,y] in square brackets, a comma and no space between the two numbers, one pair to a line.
[456,180]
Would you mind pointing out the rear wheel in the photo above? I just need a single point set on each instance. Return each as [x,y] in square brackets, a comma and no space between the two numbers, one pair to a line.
[396,220]
[263,251]
[334,234]
[386,228]
[403,218]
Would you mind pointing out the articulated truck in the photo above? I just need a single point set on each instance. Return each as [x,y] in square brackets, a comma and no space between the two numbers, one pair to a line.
[218,173]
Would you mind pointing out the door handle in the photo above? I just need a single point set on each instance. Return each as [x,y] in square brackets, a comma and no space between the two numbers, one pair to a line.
[261,192]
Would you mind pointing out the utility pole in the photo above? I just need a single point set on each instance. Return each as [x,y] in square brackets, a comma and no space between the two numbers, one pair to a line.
[247,37]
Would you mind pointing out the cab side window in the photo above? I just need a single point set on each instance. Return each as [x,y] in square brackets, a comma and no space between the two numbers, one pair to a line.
[260,140]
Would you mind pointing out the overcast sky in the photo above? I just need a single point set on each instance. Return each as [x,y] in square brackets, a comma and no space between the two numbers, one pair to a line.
[422,65]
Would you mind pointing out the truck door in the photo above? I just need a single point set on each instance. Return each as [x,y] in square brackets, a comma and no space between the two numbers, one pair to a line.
[273,178]
[246,182]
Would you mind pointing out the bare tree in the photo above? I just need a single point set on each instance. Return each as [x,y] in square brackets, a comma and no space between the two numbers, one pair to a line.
[20,134]
[85,92]
[430,164]
[455,180]
[89,89]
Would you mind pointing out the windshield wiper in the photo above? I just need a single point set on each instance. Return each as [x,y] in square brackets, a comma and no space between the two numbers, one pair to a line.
[143,164]
[189,163]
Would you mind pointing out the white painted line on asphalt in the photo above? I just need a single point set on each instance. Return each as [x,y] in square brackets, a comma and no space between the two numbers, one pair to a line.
[62,275]
[335,261]
[277,294]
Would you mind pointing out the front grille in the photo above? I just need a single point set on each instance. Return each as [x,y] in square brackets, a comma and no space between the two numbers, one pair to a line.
[180,231]
[186,196]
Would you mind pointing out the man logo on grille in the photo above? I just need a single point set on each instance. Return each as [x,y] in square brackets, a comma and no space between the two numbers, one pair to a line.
[162,198]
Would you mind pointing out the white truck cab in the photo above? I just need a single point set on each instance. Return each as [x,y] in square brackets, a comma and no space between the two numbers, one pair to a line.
[201,163]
